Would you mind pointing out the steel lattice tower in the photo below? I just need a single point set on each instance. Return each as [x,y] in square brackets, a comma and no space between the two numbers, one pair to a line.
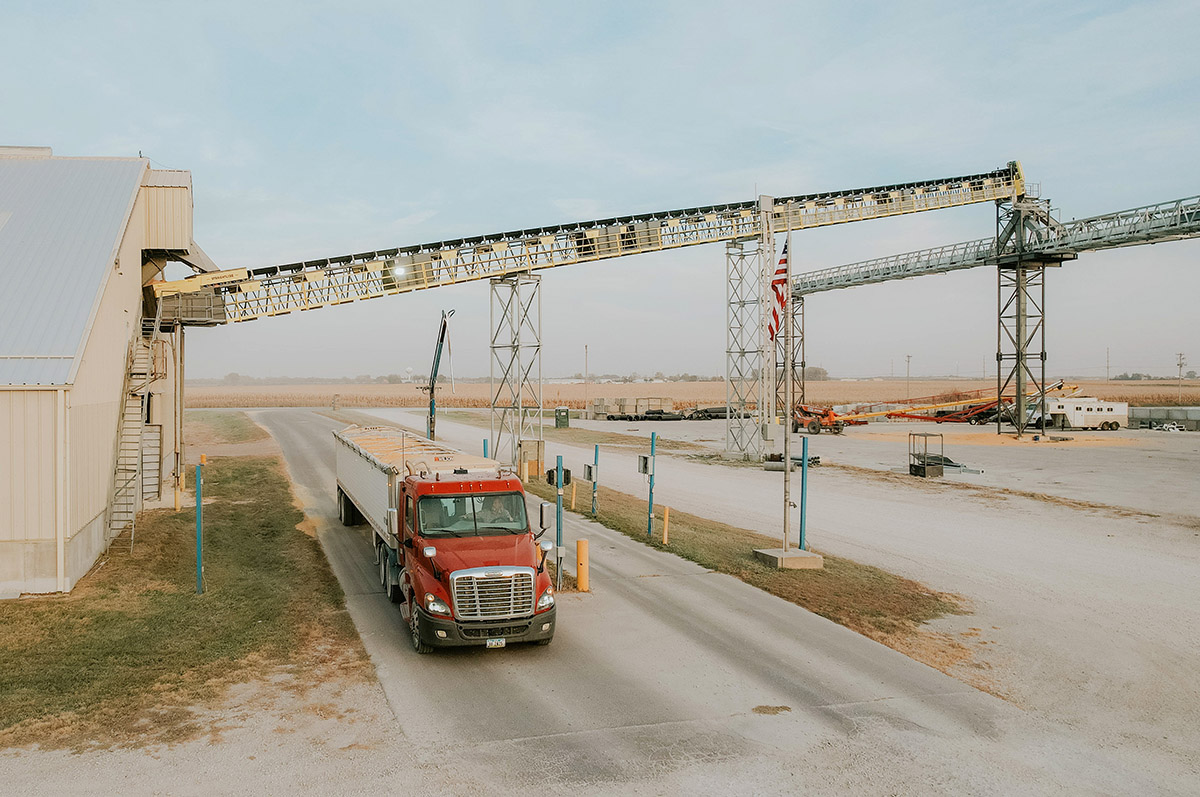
[516,364]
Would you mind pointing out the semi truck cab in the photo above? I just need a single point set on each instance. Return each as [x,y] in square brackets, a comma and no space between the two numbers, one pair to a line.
[471,561]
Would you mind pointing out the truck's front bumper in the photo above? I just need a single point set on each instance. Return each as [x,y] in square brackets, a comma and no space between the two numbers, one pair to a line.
[447,632]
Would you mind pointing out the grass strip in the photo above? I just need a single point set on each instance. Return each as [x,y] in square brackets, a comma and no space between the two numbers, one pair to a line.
[123,658]
[878,604]
[208,427]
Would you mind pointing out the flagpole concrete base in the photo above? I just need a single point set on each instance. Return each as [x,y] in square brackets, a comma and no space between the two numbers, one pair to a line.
[791,560]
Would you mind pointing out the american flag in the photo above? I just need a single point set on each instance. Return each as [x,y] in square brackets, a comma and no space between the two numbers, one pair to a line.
[779,288]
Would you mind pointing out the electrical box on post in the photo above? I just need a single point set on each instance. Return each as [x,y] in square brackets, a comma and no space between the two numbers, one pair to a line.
[589,473]
[645,464]
[552,477]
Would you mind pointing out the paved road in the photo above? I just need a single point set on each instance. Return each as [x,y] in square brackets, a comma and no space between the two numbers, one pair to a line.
[653,681]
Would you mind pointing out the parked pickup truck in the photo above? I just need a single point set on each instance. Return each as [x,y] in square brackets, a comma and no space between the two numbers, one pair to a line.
[452,541]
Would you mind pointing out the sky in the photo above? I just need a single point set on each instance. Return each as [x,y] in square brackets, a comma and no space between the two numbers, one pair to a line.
[313,130]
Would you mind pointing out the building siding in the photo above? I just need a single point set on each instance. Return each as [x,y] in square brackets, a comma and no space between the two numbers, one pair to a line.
[168,217]
[28,480]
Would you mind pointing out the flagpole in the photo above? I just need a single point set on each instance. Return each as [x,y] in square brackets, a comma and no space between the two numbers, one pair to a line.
[787,392]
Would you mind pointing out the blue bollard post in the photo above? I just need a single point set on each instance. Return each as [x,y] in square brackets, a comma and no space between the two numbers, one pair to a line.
[650,501]
[485,442]
[803,487]
[595,478]
[558,479]
[199,542]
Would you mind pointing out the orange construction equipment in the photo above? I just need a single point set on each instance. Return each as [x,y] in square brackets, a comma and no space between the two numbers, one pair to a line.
[974,409]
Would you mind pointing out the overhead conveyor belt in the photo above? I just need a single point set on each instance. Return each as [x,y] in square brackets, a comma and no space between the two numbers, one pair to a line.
[243,295]
[1166,221]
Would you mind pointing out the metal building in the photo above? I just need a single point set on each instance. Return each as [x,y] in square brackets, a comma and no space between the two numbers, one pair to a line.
[89,410]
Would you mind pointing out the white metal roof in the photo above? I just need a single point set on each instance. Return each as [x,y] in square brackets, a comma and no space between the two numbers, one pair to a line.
[61,222]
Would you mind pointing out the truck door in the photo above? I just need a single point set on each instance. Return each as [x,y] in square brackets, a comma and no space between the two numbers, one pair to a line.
[406,553]
[406,523]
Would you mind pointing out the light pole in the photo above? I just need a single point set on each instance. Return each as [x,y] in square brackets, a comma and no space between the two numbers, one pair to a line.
[907,374]
[1180,361]
[586,412]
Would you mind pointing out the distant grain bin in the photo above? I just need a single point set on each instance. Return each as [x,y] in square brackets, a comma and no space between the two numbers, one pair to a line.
[89,410]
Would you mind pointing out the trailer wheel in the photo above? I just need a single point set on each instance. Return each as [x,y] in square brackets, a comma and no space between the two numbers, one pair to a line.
[414,629]
[814,426]
[383,568]
[795,427]
[347,511]
[838,426]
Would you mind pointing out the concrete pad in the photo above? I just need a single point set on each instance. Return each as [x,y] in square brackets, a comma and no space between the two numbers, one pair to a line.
[791,560]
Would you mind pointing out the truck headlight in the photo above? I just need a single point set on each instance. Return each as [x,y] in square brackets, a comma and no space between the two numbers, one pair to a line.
[435,605]
[546,601]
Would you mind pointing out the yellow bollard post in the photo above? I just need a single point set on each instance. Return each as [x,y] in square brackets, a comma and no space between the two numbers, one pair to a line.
[581,565]
[574,484]
[666,522]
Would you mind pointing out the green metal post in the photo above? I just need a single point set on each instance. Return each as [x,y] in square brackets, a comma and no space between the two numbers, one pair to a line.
[199,539]
[558,479]
[803,487]
[595,478]
[650,501]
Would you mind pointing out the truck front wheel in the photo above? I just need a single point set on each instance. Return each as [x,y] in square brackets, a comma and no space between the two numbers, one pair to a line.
[414,625]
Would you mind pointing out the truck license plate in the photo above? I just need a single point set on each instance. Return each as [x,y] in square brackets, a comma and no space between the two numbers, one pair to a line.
[496,643]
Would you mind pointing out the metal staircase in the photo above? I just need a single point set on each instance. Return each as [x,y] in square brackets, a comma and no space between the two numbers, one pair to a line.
[128,481]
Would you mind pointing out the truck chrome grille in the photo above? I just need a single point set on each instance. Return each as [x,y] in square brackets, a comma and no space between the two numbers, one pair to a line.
[492,593]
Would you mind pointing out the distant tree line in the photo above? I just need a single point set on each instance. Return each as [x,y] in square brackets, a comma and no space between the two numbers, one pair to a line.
[235,379]
[1136,377]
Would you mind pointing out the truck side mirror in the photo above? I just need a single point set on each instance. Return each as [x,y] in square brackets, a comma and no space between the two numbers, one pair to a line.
[429,551]
[547,508]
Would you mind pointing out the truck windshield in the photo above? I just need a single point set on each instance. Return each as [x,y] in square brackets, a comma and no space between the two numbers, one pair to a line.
[472,515]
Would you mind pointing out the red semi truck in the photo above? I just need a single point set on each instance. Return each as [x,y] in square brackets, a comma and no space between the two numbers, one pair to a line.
[452,540]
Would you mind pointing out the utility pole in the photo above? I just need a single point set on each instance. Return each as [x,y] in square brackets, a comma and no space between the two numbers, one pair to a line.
[587,413]
[907,375]
[1180,361]
[1107,353]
